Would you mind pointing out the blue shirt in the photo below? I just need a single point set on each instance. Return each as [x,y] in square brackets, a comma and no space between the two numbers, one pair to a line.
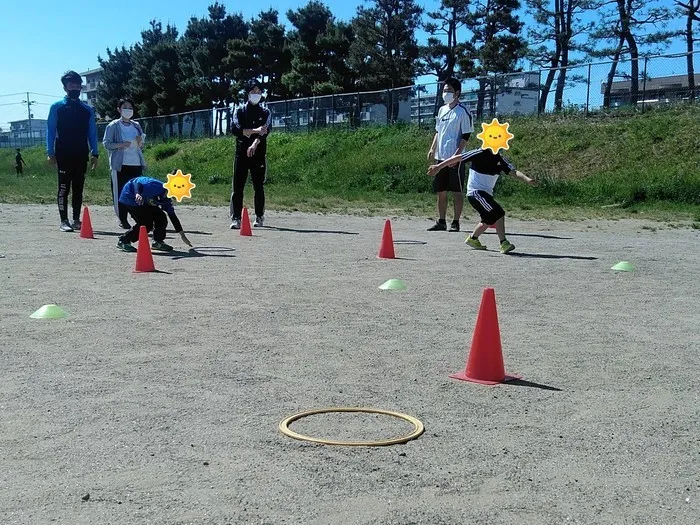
[70,128]
[153,193]
[150,189]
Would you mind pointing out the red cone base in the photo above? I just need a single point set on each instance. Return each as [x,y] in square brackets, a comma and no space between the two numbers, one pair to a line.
[144,257]
[245,224]
[86,228]
[485,362]
[386,249]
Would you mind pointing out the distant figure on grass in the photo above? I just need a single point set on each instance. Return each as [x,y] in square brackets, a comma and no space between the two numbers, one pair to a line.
[71,127]
[123,141]
[19,162]
[483,175]
[251,125]
[453,127]
[146,200]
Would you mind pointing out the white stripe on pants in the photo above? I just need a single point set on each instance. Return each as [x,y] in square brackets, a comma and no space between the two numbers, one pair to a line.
[115,192]
[483,202]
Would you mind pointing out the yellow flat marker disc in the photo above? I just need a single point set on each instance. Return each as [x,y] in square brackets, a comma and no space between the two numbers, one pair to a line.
[417,431]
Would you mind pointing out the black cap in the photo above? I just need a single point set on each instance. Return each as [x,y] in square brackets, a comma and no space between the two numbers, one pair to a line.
[71,76]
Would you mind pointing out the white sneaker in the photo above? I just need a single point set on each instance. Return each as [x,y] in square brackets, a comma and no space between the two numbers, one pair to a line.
[258,222]
[77,225]
[65,226]
[236,224]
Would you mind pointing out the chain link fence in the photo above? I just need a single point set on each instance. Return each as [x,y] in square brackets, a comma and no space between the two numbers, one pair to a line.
[582,88]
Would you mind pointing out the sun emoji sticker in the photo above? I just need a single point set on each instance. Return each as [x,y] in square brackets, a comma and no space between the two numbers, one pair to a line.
[179,186]
[495,136]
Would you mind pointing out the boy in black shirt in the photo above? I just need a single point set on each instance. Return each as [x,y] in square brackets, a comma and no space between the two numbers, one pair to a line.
[251,125]
[483,174]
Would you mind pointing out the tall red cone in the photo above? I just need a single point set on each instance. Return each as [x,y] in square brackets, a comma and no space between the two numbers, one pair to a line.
[485,362]
[386,249]
[86,227]
[144,257]
[245,224]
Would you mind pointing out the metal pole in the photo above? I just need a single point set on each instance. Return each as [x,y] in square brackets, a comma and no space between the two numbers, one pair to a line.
[419,120]
[333,108]
[29,116]
[539,91]
[388,107]
[493,97]
[588,88]
[644,84]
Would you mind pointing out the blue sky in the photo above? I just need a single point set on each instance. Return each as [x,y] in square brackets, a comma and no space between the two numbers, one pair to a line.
[44,38]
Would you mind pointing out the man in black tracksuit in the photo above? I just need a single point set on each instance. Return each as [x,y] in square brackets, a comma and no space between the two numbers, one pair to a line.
[251,125]
[71,136]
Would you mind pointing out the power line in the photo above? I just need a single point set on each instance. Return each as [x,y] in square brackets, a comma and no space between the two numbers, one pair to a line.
[12,94]
[13,104]
[44,95]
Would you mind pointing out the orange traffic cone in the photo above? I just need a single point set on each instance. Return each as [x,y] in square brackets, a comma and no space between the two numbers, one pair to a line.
[245,224]
[485,363]
[144,257]
[86,228]
[386,249]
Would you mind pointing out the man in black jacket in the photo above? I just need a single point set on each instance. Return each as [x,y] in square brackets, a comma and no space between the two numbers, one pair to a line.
[251,125]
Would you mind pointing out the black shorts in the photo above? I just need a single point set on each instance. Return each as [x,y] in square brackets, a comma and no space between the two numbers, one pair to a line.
[489,210]
[450,179]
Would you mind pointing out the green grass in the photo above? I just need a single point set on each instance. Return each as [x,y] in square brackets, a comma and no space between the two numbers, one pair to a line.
[607,165]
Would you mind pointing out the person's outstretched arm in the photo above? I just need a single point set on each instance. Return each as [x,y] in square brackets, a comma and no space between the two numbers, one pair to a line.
[167,206]
[522,177]
[452,161]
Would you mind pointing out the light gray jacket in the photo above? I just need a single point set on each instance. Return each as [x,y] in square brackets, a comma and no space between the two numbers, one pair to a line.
[112,139]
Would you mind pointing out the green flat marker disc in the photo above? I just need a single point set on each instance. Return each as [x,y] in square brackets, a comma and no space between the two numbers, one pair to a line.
[393,284]
[49,311]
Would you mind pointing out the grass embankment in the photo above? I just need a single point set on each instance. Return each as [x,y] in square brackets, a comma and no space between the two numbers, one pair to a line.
[620,165]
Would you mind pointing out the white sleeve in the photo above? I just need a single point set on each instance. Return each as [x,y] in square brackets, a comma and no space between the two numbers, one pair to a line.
[467,124]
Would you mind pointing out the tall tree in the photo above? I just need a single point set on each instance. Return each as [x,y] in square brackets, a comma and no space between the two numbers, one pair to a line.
[496,38]
[691,11]
[116,74]
[334,45]
[385,51]
[308,66]
[553,39]
[625,26]
[143,86]
[263,55]
[444,52]
[208,77]
[444,47]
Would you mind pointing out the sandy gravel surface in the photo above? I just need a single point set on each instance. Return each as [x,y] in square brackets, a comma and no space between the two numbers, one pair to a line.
[161,394]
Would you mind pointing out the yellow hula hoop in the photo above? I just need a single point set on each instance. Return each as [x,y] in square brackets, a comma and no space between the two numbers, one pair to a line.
[417,431]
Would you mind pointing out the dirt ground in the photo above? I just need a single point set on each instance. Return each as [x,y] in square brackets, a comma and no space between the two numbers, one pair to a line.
[160,395]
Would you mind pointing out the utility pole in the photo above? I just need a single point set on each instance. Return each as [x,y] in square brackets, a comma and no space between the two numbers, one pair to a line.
[29,112]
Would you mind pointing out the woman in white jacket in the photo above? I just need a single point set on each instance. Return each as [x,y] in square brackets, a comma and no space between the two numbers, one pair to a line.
[124,140]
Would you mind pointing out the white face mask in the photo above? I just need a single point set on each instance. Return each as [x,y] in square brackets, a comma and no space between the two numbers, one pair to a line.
[448,98]
[254,98]
[127,113]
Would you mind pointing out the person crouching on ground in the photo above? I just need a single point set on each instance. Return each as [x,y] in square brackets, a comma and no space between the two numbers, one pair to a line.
[146,200]
[483,174]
